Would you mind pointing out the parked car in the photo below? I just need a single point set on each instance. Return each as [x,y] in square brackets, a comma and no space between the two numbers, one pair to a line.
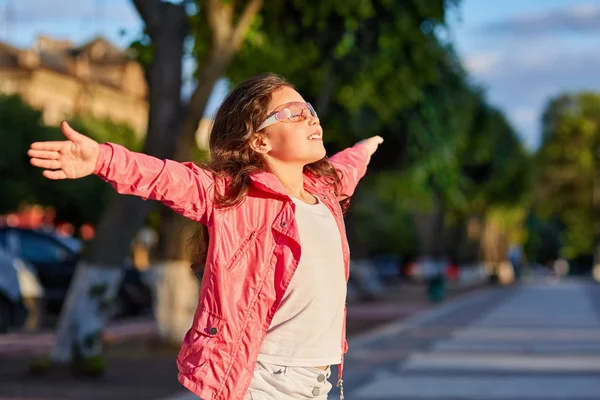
[388,268]
[19,288]
[422,269]
[55,258]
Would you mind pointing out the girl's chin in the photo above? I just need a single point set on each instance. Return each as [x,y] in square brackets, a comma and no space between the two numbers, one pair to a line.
[319,155]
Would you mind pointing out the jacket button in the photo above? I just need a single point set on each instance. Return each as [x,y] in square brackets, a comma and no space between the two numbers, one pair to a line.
[213,331]
[316,391]
[283,224]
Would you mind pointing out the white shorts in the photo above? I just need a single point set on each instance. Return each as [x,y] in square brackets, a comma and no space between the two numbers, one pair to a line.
[274,382]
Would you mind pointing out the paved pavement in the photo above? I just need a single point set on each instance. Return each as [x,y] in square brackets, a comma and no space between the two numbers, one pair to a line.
[537,341]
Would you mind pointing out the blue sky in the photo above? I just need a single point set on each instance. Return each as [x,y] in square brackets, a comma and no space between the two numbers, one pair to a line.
[522,51]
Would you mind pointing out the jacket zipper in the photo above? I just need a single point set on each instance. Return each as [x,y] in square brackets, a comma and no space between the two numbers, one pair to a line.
[340,382]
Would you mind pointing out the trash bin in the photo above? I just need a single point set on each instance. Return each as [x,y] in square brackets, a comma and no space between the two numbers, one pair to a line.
[437,288]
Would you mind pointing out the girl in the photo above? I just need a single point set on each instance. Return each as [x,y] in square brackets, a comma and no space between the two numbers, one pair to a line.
[271,313]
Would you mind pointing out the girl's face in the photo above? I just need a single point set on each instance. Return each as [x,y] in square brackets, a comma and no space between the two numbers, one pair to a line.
[296,140]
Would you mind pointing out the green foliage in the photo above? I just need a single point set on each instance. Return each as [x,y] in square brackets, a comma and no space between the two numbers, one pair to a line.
[77,201]
[18,125]
[569,169]
[385,224]
[360,62]
[454,149]
[143,50]
[544,239]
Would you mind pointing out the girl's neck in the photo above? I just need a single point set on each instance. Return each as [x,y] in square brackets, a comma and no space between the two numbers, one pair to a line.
[291,178]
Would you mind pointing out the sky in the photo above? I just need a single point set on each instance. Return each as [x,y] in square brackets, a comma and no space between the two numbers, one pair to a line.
[523,52]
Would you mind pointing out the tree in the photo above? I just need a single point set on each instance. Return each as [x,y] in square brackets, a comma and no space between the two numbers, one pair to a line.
[361,57]
[568,170]
[219,29]
[362,63]
[455,159]
[98,276]
[167,25]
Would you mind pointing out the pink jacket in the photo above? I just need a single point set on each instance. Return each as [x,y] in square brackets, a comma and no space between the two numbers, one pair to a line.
[253,253]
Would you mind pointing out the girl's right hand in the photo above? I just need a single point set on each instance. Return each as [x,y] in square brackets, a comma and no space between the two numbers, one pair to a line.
[69,159]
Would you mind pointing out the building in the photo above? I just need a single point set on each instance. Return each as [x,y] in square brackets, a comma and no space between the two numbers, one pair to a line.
[63,80]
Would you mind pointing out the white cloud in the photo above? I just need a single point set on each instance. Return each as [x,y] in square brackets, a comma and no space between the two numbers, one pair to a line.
[578,18]
[481,63]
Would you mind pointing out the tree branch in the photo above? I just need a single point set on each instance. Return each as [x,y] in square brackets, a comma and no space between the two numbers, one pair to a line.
[245,21]
[219,18]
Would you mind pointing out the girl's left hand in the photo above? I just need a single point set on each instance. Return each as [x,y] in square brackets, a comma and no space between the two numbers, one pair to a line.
[372,143]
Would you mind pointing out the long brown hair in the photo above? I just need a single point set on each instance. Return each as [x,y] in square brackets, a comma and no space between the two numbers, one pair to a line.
[232,159]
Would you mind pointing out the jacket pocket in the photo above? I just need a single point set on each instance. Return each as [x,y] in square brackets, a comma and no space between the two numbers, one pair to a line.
[199,342]
[241,250]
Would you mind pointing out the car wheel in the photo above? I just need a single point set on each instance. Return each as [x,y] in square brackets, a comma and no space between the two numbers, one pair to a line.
[5,315]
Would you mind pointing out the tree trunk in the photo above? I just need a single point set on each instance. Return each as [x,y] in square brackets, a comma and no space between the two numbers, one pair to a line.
[98,277]
[85,312]
[176,231]
[324,99]
[175,300]
[358,250]
[429,228]
[494,244]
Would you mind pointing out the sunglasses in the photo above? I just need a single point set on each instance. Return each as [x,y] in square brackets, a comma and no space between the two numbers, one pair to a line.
[295,111]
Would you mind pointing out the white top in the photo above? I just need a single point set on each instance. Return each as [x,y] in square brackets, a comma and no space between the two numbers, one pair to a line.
[307,327]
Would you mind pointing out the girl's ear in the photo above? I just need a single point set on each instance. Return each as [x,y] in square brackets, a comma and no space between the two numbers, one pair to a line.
[260,144]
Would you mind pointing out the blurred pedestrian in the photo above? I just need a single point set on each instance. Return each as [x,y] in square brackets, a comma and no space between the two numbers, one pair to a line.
[271,314]
[515,256]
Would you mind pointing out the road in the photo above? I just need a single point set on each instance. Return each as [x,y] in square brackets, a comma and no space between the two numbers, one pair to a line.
[539,340]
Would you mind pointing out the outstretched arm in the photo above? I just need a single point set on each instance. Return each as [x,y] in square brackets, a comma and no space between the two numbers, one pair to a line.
[185,188]
[352,163]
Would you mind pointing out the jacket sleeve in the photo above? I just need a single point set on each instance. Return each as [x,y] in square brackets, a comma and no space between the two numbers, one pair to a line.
[184,187]
[352,163]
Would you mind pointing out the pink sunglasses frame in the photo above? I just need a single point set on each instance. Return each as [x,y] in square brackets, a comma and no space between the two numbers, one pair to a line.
[280,116]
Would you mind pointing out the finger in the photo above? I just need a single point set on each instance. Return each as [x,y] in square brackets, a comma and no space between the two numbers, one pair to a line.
[54,175]
[376,139]
[71,133]
[48,146]
[45,154]
[48,164]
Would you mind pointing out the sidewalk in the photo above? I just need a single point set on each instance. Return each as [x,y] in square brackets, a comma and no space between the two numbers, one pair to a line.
[34,343]
[139,370]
